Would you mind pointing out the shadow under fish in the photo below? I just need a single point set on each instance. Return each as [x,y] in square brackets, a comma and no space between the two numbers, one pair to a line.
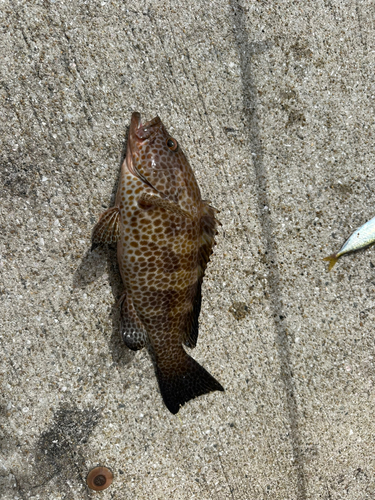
[165,233]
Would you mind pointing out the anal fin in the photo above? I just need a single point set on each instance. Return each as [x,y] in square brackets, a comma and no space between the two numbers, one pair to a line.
[107,229]
[132,331]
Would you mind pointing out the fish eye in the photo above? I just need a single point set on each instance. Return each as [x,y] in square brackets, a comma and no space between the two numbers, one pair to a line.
[172,144]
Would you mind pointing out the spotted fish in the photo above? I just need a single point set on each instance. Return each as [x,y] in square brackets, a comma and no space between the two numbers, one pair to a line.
[362,237]
[164,233]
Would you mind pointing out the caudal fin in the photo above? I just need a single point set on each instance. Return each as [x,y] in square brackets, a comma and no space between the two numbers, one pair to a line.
[189,380]
[332,259]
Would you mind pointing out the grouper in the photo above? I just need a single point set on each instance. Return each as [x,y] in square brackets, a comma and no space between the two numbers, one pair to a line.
[165,234]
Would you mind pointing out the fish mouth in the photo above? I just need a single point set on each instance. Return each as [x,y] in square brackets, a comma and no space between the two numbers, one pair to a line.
[135,125]
[138,135]
[141,132]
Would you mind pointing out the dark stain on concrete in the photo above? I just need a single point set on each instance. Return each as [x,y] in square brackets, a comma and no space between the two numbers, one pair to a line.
[58,454]
[18,177]
[57,459]
[301,50]
[239,310]
[296,118]
[57,448]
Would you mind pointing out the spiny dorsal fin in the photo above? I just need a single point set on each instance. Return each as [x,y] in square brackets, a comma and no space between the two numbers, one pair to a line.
[208,224]
[107,229]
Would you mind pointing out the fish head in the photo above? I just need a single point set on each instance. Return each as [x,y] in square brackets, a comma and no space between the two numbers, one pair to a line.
[158,160]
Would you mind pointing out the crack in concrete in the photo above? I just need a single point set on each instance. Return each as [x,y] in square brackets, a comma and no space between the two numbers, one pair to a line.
[246,49]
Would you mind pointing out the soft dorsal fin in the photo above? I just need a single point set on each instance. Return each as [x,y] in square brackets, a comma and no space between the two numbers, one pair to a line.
[107,229]
[208,225]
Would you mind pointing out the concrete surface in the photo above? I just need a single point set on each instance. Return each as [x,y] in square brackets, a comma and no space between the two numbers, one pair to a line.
[273,102]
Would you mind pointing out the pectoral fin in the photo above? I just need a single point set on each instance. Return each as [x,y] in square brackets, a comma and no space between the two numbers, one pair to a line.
[147,201]
[107,229]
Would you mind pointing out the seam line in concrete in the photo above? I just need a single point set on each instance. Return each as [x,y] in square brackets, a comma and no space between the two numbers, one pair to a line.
[246,50]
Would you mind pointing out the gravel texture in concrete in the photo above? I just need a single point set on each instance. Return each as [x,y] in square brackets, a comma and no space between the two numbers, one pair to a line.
[273,103]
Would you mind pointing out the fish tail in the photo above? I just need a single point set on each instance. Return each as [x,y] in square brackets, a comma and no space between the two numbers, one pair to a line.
[183,381]
[332,259]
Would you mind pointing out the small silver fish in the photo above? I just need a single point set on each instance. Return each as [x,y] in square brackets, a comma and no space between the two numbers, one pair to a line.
[362,237]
